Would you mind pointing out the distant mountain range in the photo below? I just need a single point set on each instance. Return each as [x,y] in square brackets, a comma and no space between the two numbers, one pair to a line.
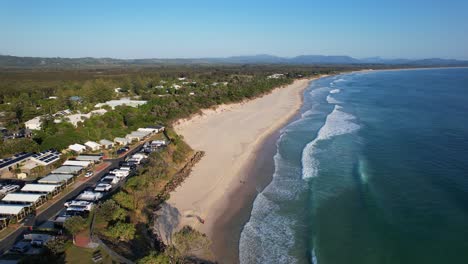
[34,62]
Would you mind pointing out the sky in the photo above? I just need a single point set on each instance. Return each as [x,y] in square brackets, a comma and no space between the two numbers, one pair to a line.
[208,28]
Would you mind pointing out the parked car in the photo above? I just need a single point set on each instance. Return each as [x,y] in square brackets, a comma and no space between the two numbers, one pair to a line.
[21,247]
[89,195]
[103,187]
[89,174]
[121,151]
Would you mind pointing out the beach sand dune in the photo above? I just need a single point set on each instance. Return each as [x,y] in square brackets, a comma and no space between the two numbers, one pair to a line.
[230,136]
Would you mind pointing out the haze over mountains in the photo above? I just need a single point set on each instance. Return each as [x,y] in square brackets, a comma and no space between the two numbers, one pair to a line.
[33,62]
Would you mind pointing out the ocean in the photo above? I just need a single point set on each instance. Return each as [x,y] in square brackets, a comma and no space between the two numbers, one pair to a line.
[374,170]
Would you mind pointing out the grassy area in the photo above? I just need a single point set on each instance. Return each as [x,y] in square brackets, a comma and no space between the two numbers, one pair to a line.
[7,231]
[76,254]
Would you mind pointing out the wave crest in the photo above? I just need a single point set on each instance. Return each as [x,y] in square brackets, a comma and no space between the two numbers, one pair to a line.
[337,123]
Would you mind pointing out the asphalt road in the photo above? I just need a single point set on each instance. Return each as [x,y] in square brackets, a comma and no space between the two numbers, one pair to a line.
[55,208]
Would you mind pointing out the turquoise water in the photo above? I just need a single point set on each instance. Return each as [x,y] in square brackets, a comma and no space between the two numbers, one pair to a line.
[374,171]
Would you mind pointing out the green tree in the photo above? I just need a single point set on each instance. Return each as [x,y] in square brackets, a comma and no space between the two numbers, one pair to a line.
[75,224]
[56,246]
[111,211]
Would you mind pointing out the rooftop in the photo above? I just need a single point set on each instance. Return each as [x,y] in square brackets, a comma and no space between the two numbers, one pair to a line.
[22,197]
[46,188]
[56,178]
[11,209]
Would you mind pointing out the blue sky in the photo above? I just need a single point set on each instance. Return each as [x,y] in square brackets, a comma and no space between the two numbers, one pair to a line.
[198,28]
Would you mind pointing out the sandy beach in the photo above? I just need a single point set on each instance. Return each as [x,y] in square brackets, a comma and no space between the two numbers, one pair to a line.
[231,136]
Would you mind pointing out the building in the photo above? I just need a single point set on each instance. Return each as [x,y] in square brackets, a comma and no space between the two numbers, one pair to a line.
[75,170]
[17,212]
[24,198]
[79,163]
[276,76]
[78,148]
[137,135]
[79,117]
[91,158]
[121,102]
[45,158]
[34,124]
[52,189]
[106,144]
[149,129]
[122,141]
[10,164]
[93,145]
[57,179]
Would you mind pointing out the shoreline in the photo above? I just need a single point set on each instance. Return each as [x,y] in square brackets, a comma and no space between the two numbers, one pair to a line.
[224,201]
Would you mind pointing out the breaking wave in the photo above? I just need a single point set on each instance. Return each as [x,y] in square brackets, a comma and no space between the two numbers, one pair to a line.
[270,243]
[337,123]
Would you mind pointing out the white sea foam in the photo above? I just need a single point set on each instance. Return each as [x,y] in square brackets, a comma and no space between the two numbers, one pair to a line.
[307,113]
[337,123]
[334,91]
[267,237]
[332,100]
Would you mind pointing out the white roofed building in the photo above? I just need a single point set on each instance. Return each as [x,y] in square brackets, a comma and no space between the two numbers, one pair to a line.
[124,101]
[92,145]
[78,148]
[52,189]
[122,141]
[18,212]
[34,124]
[106,144]
[80,163]
[58,179]
[75,170]
[24,198]
[91,158]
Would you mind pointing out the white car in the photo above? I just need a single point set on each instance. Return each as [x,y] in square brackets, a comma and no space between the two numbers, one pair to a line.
[103,187]
[89,196]
[89,174]
[78,203]
[79,206]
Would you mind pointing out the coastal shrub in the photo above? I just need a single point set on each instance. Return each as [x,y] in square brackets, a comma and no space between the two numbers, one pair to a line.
[189,241]
[122,231]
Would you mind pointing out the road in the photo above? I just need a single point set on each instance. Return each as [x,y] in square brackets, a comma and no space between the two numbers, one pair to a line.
[53,209]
